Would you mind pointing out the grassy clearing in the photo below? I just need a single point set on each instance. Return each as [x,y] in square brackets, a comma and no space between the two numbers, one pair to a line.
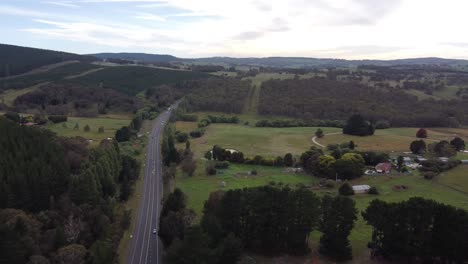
[269,142]
[67,129]
[9,96]
[394,139]
[456,178]
[199,186]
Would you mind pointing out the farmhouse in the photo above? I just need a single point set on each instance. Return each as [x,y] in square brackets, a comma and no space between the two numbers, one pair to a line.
[361,188]
[384,167]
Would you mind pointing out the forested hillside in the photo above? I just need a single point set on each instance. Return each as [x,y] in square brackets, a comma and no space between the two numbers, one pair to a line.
[16,60]
[216,94]
[52,75]
[325,99]
[60,199]
[134,79]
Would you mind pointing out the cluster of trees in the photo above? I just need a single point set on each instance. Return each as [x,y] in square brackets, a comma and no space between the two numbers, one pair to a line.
[269,220]
[439,149]
[358,126]
[299,123]
[346,166]
[433,233]
[62,198]
[58,99]
[433,167]
[333,100]
[221,154]
[215,94]
[126,133]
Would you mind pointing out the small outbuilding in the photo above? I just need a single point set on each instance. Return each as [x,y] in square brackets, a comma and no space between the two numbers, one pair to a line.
[361,188]
[384,167]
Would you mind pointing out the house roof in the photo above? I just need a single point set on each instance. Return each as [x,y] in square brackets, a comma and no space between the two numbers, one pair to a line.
[361,187]
[384,166]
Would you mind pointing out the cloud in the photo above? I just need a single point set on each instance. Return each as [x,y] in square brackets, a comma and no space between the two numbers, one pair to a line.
[64,4]
[151,17]
[249,35]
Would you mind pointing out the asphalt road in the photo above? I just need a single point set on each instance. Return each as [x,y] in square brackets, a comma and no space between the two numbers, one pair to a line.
[145,246]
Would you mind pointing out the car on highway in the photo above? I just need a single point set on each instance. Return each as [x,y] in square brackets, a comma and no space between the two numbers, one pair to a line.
[155,231]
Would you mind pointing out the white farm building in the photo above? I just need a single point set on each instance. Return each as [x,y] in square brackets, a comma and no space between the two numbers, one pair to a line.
[361,188]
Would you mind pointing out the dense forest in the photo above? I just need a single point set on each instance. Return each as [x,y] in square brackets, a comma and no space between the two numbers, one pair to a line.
[59,200]
[17,60]
[131,80]
[52,75]
[326,99]
[77,100]
[215,94]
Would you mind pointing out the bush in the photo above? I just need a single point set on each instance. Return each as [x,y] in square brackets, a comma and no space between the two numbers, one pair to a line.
[422,133]
[181,137]
[346,189]
[101,130]
[329,184]
[58,118]
[429,175]
[87,128]
[253,172]
[197,133]
[373,190]
[221,165]
[382,124]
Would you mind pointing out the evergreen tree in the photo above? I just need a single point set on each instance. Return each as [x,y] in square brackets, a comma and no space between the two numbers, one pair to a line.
[338,216]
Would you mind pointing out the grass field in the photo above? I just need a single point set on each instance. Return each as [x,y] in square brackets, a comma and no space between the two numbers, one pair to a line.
[456,179]
[450,187]
[394,139]
[8,97]
[269,142]
[67,129]
[199,186]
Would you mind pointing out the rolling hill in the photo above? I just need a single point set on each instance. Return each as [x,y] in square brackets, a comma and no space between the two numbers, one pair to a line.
[280,62]
[17,60]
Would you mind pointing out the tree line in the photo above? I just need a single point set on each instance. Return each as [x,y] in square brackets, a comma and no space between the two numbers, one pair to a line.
[215,94]
[316,98]
[60,200]
[269,220]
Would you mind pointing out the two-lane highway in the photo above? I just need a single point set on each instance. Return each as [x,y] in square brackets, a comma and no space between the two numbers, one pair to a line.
[145,246]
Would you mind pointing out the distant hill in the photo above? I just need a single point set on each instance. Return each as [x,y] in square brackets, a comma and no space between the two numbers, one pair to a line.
[18,60]
[300,62]
[281,62]
[140,57]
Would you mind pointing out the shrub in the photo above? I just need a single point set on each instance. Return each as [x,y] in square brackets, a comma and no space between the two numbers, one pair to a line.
[346,189]
[422,133]
[373,190]
[429,175]
[253,172]
[58,118]
[197,133]
[221,165]
[87,128]
[329,184]
[181,137]
[101,130]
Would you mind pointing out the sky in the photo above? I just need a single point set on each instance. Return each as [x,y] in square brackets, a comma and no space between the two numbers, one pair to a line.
[347,29]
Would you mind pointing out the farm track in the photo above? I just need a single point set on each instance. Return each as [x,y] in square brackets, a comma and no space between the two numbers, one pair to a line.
[42,69]
[251,104]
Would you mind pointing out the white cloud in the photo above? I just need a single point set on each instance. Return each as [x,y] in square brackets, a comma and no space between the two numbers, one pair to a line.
[151,17]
